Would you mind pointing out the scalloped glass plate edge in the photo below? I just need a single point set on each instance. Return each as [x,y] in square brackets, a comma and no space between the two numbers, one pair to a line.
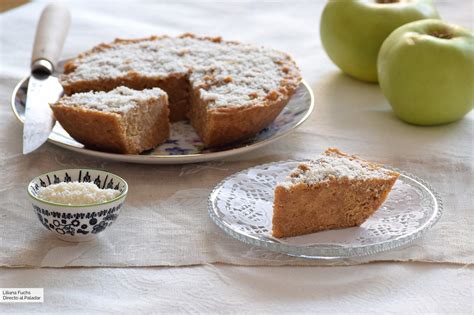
[328,252]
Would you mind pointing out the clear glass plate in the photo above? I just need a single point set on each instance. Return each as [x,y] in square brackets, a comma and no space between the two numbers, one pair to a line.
[242,205]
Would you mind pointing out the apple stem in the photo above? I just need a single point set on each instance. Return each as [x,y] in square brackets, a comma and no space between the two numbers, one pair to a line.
[442,34]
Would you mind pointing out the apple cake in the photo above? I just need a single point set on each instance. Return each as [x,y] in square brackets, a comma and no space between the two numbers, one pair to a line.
[228,90]
[121,120]
[334,191]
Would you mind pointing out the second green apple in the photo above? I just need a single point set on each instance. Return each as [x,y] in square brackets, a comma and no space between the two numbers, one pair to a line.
[352,31]
[426,71]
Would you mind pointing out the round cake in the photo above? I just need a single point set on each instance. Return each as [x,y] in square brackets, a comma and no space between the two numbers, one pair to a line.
[228,90]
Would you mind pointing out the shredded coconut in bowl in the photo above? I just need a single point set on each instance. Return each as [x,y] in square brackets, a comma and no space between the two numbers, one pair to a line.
[76,194]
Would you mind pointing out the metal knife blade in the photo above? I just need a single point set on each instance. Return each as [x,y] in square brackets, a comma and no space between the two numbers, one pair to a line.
[43,89]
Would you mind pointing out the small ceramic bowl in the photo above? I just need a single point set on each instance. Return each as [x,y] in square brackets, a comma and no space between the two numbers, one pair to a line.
[78,223]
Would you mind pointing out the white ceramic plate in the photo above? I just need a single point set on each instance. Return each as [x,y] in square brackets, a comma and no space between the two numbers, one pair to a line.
[242,205]
[184,146]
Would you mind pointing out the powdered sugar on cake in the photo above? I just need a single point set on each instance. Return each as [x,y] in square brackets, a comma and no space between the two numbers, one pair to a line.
[226,73]
[334,165]
[119,100]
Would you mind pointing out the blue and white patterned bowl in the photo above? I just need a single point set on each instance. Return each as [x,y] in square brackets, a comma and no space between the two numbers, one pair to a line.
[77,223]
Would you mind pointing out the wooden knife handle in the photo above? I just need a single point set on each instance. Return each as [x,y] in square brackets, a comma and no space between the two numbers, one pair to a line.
[51,32]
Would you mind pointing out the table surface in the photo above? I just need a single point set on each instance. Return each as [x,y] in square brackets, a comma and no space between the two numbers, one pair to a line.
[414,288]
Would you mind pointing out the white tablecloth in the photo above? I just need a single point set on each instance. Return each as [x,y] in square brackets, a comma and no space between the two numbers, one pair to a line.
[385,288]
[414,288]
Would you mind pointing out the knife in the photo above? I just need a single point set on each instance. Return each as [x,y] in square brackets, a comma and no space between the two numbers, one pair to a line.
[43,88]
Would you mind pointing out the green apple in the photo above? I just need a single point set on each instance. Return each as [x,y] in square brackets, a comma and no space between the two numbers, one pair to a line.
[426,71]
[352,31]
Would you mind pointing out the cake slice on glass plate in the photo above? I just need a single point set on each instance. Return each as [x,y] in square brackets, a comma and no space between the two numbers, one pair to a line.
[333,191]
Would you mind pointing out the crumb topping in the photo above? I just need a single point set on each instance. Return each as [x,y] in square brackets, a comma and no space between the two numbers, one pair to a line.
[119,100]
[225,73]
[333,164]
